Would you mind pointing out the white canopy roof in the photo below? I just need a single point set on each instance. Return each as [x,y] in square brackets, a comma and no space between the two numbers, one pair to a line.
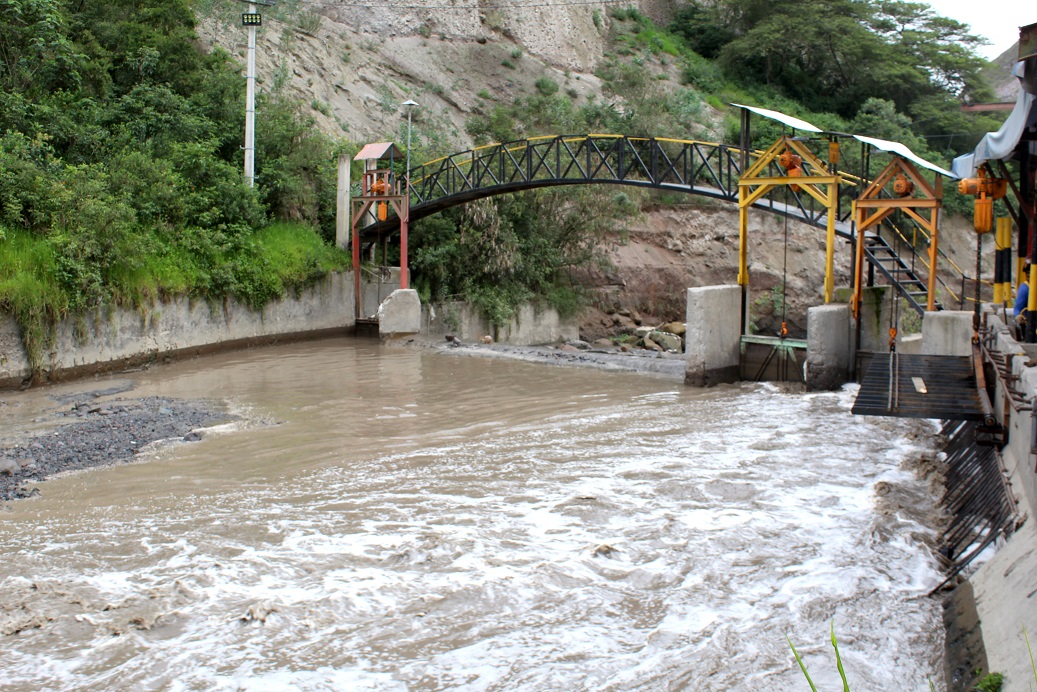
[904,152]
[794,123]
[881,144]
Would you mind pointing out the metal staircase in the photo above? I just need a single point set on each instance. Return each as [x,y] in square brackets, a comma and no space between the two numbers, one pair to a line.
[903,277]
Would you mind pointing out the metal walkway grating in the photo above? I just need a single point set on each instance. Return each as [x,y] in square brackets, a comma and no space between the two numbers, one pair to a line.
[928,387]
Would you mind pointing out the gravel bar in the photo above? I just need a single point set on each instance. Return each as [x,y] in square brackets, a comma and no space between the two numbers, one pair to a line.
[93,433]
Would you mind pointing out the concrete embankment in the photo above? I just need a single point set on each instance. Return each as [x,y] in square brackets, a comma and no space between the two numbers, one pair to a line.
[111,339]
[107,340]
[1005,587]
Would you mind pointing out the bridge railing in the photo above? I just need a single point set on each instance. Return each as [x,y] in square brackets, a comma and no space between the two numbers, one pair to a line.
[697,167]
[579,159]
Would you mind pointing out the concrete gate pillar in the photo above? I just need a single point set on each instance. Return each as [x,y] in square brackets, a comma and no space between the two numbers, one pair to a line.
[400,314]
[947,333]
[828,346]
[714,316]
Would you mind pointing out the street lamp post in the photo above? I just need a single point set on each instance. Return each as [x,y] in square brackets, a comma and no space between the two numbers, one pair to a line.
[410,108]
[251,19]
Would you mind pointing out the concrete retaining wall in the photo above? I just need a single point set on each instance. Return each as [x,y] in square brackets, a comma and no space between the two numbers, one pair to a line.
[1005,588]
[116,338]
[876,312]
[112,339]
[531,326]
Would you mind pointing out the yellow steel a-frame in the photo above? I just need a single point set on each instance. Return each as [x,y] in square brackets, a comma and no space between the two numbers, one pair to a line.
[869,210]
[812,176]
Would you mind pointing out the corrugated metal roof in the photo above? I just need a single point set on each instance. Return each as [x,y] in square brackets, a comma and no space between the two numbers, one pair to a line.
[792,122]
[378,150]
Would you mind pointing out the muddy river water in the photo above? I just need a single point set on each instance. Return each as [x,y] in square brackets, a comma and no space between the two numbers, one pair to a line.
[393,519]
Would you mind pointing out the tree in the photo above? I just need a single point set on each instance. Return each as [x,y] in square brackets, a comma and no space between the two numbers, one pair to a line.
[836,54]
[36,55]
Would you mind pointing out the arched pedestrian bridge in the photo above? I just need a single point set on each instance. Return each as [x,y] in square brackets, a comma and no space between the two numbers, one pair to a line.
[693,167]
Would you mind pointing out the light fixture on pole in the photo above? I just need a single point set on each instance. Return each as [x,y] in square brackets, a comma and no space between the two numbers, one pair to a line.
[251,19]
[410,107]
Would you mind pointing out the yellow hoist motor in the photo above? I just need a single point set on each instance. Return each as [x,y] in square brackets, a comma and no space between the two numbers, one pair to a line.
[986,189]
[793,165]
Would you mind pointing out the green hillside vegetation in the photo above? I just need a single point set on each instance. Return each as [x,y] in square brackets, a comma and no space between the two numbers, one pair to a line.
[121,170]
[121,164]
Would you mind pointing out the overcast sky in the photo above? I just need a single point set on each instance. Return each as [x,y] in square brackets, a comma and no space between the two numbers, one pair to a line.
[996,20]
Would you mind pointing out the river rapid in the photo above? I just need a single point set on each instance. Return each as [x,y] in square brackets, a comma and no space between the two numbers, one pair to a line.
[399,519]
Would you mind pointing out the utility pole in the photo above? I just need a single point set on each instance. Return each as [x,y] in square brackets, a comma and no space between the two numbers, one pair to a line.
[409,103]
[251,19]
[250,105]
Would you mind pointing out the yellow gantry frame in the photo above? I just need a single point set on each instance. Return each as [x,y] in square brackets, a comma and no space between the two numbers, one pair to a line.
[751,187]
[869,210]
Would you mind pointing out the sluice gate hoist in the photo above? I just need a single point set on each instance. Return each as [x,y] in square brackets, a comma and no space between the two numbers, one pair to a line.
[381,196]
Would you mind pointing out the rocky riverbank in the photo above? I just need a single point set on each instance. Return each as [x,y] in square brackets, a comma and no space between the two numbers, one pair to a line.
[91,429]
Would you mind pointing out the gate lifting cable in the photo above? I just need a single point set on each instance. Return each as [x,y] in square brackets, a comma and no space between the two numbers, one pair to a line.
[893,401]
[785,271]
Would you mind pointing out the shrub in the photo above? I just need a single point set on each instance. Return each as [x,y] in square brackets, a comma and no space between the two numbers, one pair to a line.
[546,86]
[308,23]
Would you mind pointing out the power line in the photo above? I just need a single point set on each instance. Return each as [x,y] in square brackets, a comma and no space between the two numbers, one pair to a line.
[956,134]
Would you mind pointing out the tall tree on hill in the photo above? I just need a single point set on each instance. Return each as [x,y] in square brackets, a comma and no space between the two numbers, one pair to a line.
[833,55]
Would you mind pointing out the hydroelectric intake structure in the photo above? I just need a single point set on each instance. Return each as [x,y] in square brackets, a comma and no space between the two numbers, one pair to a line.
[879,205]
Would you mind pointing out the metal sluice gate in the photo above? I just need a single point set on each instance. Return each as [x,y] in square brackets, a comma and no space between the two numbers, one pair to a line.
[942,387]
[976,496]
[771,359]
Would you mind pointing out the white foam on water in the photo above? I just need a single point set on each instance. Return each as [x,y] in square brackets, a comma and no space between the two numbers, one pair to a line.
[647,544]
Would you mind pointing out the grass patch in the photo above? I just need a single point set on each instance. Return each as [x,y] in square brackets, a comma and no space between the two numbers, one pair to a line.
[255,267]
[29,290]
[297,255]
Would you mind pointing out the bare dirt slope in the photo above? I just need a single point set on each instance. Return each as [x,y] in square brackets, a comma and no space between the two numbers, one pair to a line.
[356,65]
[672,248]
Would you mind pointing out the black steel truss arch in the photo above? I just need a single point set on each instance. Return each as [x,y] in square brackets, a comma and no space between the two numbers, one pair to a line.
[698,168]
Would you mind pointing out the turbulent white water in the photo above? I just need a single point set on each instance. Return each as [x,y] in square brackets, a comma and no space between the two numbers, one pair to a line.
[418,521]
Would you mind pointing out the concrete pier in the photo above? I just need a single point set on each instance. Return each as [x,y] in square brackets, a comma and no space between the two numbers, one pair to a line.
[829,352]
[714,316]
[400,314]
[947,333]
